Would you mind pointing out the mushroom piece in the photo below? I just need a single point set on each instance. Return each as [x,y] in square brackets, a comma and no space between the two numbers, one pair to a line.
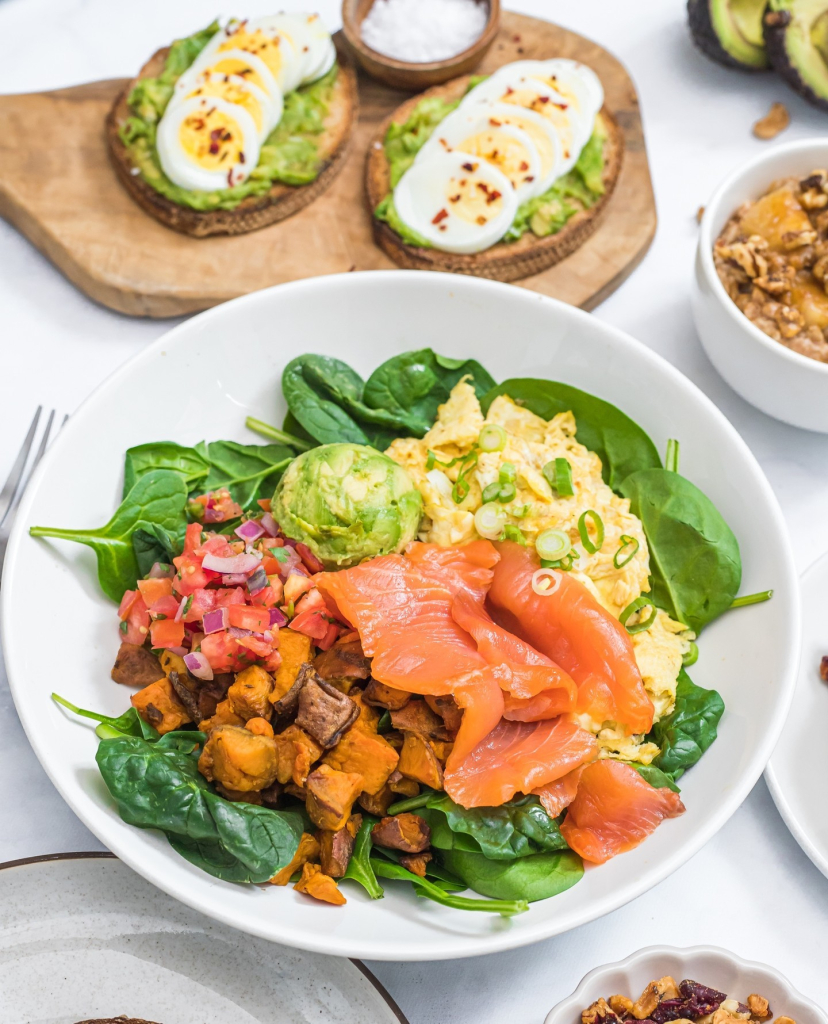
[136,666]
[324,712]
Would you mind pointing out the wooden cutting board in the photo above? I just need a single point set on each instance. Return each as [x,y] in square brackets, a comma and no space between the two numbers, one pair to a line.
[58,188]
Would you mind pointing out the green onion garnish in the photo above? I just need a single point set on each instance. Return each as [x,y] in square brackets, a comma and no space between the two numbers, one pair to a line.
[626,552]
[565,564]
[461,488]
[692,656]
[558,474]
[763,595]
[490,492]
[671,459]
[583,530]
[553,545]
[492,438]
[508,473]
[636,606]
[513,533]
[507,493]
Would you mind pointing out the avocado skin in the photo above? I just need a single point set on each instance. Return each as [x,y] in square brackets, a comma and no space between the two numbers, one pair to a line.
[775,24]
[705,37]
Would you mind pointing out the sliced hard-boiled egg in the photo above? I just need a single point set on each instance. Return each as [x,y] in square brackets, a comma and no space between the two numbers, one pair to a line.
[266,110]
[480,134]
[457,201]
[542,133]
[206,143]
[232,62]
[275,50]
[310,38]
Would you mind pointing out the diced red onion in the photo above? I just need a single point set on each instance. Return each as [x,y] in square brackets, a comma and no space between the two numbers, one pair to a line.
[161,571]
[179,614]
[243,563]
[269,525]
[290,543]
[215,620]
[258,581]
[236,631]
[233,579]
[277,617]
[249,531]
[180,651]
[212,515]
[198,665]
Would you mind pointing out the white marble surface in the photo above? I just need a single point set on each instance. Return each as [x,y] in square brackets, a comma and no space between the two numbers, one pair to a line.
[750,889]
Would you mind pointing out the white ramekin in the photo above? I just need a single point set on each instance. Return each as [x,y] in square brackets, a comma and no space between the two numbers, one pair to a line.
[780,382]
[707,965]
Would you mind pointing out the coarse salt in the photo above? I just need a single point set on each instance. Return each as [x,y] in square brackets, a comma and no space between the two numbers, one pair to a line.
[421,31]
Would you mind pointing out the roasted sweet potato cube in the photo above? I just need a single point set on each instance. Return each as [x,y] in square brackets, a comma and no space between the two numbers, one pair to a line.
[159,705]
[260,726]
[331,796]
[419,762]
[295,649]
[448,709]
[324,712]
[387,697]
[319,885]
[236,796]
[308,849]
[343,685]
[367,754]
[377,803]
[239,759]
[416,862]
[225,715]
[286,706]
[442,749]
[398,783]
[335,848]
[211,693]
[250,694]
[136,666]
[171,662]
[418,717]
[406,832]
[343,661]
[369,717]
[296,753]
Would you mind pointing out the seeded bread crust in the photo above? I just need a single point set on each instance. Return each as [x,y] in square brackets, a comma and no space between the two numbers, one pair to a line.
[256,211]
[504,261]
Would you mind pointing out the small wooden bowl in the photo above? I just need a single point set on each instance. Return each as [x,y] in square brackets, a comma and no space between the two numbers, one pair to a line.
[412,76]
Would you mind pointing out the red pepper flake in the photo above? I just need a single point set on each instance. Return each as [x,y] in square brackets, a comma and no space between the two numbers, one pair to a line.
[481,219]
[442,227]
[529,177]
[454,199]
[230,178]
[543,99]
[470,167]
[483,187]
[492,197]
[524,166]
[516,38]
[562,106]
[494,122]
[509,91]
[464,182]
[445,145]
[520,49]
[241,156]
[440,215]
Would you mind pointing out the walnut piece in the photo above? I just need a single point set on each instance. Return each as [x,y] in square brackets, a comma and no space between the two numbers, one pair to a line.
[758,1006]
[598,1013]
[775,121]
[621,1004]
[646,1002]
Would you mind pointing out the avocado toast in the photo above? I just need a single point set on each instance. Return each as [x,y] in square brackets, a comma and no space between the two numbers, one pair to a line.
[299,158]
[564,217]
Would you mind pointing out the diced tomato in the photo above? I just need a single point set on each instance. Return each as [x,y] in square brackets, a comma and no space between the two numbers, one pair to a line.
[221,651]
[220,506]
[190,576]
[166,633]
[216,544]
[310,560]
[228,596]
[273,661]
[261,648]
[154,590]
[313,601]
[272,542]
[295,586]
[192,538]
[166,607]
[203,601]
[264,504]
[271,596]
[270,565]
[137,622]
[249,617]
[330,637]
[127,602]
[313,624]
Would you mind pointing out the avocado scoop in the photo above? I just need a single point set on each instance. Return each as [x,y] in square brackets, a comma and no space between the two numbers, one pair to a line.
[730,31]
[796,34]
[348,503]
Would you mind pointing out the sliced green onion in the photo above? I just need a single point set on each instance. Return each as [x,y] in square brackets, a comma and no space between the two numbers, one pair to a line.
[432,460]
[545,582]
[462,486]
[489,521]
[508,473]
[763,595]
[558,474]
[692,656]
[491,491]
[671,459]
[636,606]
[626,552]
[565,564]
[513,533]
[553,544]
[492,438]
[506,493]
[583,530]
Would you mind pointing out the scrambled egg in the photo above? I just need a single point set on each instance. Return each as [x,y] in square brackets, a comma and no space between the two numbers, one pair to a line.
[531,443]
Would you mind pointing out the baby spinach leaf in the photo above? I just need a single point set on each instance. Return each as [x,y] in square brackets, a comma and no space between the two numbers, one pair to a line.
[154,544]
[621,444]
[164,455]
[322,418]
[411,386]
[248,471]
[129,723]
[528,878]
[694,556]
[518,828]
[158,785]
[158,497]
[359,866]
[687,732]
[423,887]
[655,776]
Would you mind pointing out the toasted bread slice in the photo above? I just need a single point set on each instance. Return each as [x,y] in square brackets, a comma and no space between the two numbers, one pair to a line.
[255,211]
[504,261]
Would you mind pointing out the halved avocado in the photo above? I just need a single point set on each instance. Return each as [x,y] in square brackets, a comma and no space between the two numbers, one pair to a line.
[796,35]
[730,31]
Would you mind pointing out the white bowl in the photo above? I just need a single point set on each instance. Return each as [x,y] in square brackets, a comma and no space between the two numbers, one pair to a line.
[201,380]
[707,965]
[782,383]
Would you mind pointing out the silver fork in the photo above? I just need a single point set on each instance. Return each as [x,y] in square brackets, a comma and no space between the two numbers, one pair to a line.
[17,480]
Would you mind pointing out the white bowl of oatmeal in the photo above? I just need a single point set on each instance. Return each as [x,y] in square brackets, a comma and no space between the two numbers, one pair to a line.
[758,297]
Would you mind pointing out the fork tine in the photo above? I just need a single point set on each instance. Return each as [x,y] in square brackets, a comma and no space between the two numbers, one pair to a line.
[41,451]
[13,482]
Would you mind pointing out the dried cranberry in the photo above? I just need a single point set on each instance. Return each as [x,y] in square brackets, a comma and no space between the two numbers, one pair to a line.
[701,1000]
[670,1009]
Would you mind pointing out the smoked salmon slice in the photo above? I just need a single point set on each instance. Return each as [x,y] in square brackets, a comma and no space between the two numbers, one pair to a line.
[467,568]
[614,810]
[572,629]
[557,795]
[517,757]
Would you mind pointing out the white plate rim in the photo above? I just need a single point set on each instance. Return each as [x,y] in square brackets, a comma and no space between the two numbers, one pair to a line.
[455,948]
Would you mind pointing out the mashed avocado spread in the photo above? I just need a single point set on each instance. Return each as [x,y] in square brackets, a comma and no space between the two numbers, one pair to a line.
[578,189]
[289,154]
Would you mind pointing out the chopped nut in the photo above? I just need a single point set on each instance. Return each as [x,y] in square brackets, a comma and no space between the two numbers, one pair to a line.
[749,255]
[775,121]
[667,987]
[823,668]
[699,214]
[790,321]
[646,1002]
[795,239]
[621,1004]
[785,1020]
[598,1013]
